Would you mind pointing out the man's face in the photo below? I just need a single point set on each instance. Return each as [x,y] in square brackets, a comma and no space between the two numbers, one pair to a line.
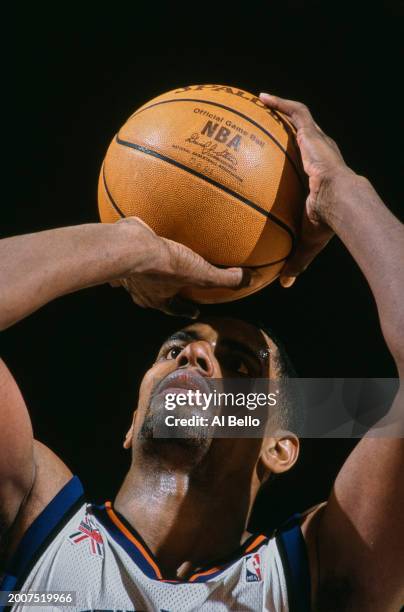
[210,349]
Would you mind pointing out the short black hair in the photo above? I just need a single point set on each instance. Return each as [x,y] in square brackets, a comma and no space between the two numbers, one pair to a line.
[284,363]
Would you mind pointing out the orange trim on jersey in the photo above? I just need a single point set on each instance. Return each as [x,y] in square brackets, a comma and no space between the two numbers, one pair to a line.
[254,543]
[211,571]
[131,537]
[118,523]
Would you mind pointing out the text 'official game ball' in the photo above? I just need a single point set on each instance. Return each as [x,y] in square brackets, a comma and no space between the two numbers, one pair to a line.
[213,168]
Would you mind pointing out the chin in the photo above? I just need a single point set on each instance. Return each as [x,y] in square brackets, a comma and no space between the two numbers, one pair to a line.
[156,435]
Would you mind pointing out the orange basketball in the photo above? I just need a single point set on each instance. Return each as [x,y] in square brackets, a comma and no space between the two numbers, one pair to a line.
[213,168]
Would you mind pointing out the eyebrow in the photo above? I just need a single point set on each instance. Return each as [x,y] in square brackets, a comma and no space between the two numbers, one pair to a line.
[182,336]
[235,345]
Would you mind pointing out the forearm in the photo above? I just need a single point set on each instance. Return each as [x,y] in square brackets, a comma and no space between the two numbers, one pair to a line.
[375,239]
[37,268]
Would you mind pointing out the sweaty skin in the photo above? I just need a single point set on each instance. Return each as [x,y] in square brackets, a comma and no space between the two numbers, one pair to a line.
[204,484]
[356,540]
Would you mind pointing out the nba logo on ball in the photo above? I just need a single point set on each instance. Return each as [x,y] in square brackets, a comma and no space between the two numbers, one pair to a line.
[253,568]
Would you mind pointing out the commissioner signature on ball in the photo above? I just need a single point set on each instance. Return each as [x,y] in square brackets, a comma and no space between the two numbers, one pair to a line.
[210,148]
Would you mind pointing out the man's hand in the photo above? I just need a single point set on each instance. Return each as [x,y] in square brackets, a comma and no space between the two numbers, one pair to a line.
[167,268]
[325,167]
[37,268]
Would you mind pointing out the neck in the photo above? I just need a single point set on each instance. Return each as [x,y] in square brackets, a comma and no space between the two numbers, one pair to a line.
[189,516]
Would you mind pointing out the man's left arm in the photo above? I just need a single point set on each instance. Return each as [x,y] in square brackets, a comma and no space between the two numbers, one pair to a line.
[358,536]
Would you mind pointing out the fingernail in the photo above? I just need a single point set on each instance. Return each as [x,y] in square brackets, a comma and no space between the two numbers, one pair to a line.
[287,281]
[264,94]
[246,278]
[181,307]
[188,313]
[191,312]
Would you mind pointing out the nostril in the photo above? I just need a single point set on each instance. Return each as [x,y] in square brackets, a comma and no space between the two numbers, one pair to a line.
[202,363]
[183,361]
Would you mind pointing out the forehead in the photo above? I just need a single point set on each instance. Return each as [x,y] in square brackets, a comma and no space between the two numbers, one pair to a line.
[216,329]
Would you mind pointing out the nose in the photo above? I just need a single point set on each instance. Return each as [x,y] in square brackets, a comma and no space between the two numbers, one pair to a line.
[198,355]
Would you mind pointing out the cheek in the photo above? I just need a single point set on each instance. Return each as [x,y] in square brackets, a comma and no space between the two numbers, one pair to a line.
[151,379]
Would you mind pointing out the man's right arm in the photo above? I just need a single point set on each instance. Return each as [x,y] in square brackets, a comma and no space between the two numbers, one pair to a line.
[30,473]
[16,449]
[37,268]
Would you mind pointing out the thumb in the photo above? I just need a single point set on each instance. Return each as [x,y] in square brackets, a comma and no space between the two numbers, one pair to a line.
[200,273]
[300,260]
[178,306]
[312,241]
[231,278]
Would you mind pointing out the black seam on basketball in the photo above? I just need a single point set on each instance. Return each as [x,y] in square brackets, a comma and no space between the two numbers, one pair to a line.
[234,194]
[111,199]
[274,140]
[264,265]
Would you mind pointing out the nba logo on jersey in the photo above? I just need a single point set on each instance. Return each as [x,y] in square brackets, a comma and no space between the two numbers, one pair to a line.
[252,566]
[88,533]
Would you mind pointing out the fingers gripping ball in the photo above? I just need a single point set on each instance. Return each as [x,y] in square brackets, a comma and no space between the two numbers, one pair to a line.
[212,167]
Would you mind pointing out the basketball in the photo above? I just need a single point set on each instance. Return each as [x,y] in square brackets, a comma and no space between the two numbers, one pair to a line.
[212,167]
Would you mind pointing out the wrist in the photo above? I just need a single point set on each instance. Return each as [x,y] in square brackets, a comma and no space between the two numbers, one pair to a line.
[137,247]
[337,192]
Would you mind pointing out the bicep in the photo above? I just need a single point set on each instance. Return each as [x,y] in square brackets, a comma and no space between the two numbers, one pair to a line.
[16,447]
[361,533]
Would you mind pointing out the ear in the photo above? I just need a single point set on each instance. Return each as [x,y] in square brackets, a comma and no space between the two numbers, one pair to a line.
[279,455]
[129,435]
[128,438]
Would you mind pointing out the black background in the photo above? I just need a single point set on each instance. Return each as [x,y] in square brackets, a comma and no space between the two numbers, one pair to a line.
[74,79]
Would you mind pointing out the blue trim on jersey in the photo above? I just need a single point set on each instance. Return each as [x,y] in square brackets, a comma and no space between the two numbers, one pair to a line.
[45,523]
[136,555]
[132,550]
[297,571]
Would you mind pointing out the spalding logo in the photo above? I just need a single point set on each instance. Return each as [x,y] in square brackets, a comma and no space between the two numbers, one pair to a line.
[230,90]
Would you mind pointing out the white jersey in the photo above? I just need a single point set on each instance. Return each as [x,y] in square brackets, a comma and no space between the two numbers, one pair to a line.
[92,551]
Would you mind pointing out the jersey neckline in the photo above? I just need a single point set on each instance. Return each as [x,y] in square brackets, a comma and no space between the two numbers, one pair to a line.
[131,541]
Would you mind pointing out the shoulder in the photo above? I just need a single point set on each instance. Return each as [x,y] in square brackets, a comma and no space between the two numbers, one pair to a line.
[310,521]
[295,558]
[330,588]
[34,547]
[51,475]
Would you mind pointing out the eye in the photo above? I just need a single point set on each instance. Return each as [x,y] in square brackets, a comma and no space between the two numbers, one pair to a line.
[238,365]
[242,368]
[173,352]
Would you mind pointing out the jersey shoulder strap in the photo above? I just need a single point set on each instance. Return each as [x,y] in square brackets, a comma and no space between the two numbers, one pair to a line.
[41,532]
[293,552]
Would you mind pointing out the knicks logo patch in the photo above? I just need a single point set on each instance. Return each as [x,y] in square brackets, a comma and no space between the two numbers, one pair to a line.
[88,534]
[252,568]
